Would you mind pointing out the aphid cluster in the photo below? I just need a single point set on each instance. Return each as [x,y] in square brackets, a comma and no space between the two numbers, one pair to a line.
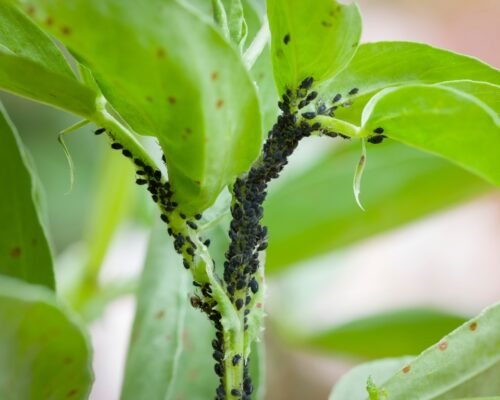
[378,136]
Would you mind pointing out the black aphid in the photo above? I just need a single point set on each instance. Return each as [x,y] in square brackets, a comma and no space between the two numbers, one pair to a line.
[183,216]
[191,224]
[157,175]
[286,39]
[198,216]
[207,242]
[336,98]
[139,162]
[116,146]
[164,218]
[141,181]
[236,359]
[235,392]
[309,115]
[353,91]
[239,304]
[376,139]
[378,130]
[254,286]
[127,153]
[100,131]
[307,83]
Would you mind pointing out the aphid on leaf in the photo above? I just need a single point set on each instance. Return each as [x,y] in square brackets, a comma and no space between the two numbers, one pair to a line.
[116,146]
[100,131]
[336,98]
[191,224]
[198,216]
[236,359]
[239,304]
[254,286]
[378,130]
[307,83]
[164,218]
[127,153]
[309,115]
[376,139]
[185,263]
[286,39]
[141,181]
[353,91]
[236,392]
[195,301]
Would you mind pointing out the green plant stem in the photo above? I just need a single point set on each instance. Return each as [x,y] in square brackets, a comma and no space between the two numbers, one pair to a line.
[338,126]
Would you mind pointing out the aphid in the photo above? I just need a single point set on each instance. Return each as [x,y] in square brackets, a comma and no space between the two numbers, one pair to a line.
[157,175]
[190,251]
[191,224]
[303,103]
[235,392]
[163,158]
[217,355]
[239,304]
[170,232]
[141,181]
[248,299]
[307,83]
[219,370]
[336,98]
[311,96]
[139,162]
[195,301]
[309,115]
[378,130]
[221,392]
[141,172]
[116,146]
[127,153]
[353,91]
[246,312]
[207,242]
[149,169]
[247,386]
[316,126]
[230,289]
[198,216]
[376,139]
[196,284]
[100,131]
[286,39]
[254,286]
[183,216]
[236,360]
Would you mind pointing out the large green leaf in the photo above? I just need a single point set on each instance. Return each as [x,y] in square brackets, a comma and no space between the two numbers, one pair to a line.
[24,250]
[382,64]
[440,120]
[390,334]
[311,39]
[488,93]
[31,65]
[157,335]
[181,82]
[44,353]
[464,363]
[396,187]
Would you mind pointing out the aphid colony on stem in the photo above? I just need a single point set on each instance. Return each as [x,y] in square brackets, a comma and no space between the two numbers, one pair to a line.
[248,237]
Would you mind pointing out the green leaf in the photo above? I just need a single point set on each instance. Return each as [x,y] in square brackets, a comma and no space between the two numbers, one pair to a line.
[352,386]
[316,40]
[442,121]
[32,66]
[488,93]
[44,353]
[389,334]
[465,362]
[396,186]
[383,64]
[24,250]
[182,82]
[157,334]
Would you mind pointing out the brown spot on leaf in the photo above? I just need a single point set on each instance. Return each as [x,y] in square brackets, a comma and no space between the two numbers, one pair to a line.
[326,24]
[30,10]
[280,53]
[443,345]
[67,360]
[66,30]
[49,21]
[160,314]
[406,369]
[15,252]
[214,76]
[473,326]
[172,100]
[219,104]
[188,131]
[160,53]
[34,242]
[149,99]
[258,305]
[71,393]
